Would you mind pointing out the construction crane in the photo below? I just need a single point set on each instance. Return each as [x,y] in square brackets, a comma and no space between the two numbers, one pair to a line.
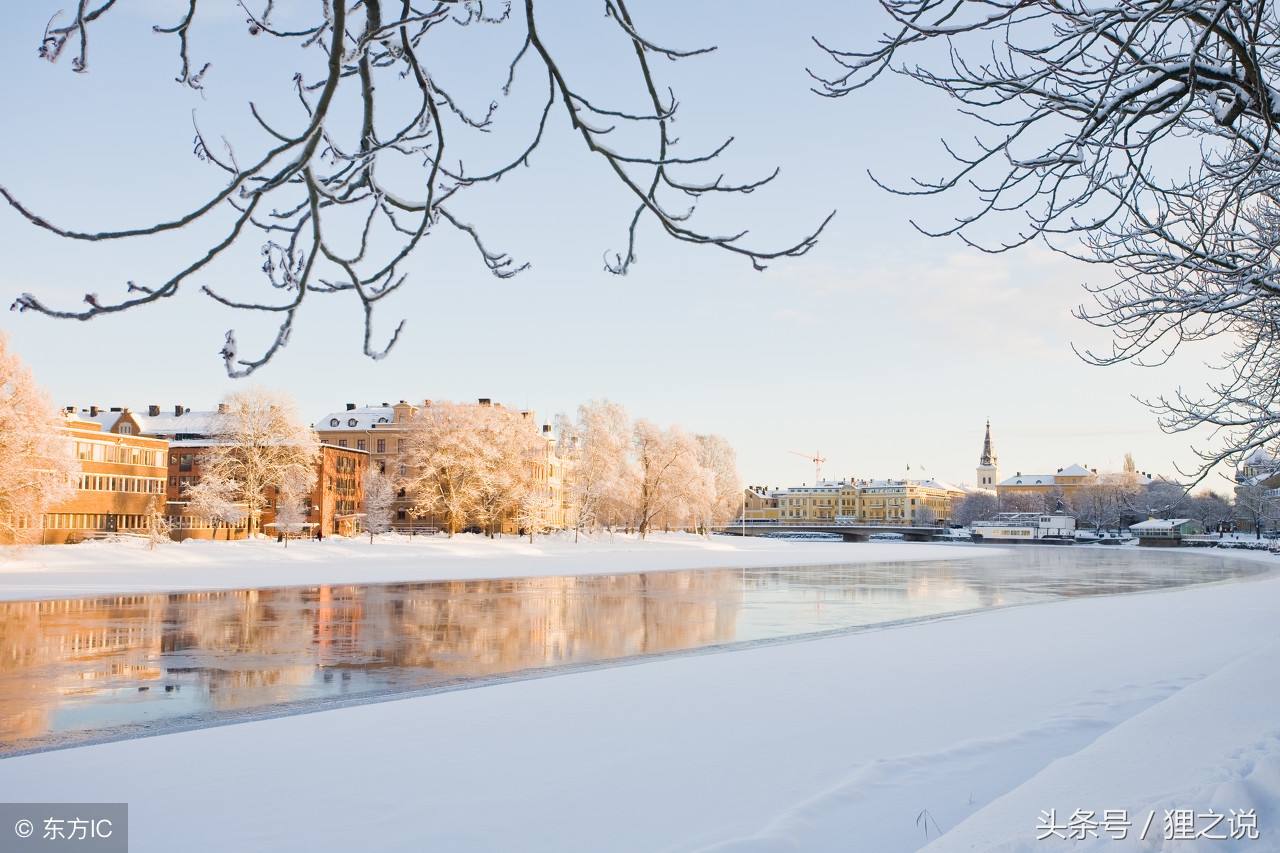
[817,461]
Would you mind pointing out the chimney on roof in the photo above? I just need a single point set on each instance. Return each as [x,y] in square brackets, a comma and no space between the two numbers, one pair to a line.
[93,411]
[70,409]
[485,401]
[386,404]
[351,407]
[177,410]
[222,408]
[153,411]
[546,428]
[116,409]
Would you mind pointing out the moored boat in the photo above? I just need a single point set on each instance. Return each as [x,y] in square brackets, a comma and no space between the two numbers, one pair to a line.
[1026,527]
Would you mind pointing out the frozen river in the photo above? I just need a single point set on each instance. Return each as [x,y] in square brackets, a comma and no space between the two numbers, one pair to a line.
[100,668]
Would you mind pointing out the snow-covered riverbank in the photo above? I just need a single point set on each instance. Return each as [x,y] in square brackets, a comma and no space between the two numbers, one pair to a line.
[100,567]
[872,741]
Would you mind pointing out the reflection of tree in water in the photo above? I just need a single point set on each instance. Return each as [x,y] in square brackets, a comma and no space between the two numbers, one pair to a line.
[483,627]
[251,648]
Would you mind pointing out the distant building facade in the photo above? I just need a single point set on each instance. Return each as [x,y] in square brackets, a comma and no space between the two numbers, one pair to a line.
[890,501]
[120,485]
[1068,480]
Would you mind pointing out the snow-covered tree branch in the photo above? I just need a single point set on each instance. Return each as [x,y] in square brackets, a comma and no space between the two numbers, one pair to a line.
[386,137]
[1137,134]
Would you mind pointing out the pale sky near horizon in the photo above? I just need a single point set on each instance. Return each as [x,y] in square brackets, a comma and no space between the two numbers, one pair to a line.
[881,348]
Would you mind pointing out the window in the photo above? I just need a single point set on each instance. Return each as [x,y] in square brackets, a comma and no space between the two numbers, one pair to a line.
[382,445]
[126,429]
[342,442]
[184,462]
[400,445]
[360,444]
[333,421]
[352,422]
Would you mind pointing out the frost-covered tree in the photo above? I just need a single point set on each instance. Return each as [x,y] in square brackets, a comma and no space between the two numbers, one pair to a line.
[442,446]
[293,501]
[37,465]
[1022,502]
[159,526]
[260,442]
[597,444]
[1211,509]
[1103,502]
[402,112]
[379,502]
[532,506]
[1158,499]
[664,470]
[473,464]
[215,499]
[720,497]
[975,506]
[1140,135]
[511,453]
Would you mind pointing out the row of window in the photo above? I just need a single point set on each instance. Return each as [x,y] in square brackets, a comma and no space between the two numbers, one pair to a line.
[191,522]
[99,451]
[103,483]
[361,444]
[333,422]
[94,521]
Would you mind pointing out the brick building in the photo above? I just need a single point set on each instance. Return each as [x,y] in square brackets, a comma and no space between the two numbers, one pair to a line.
[121,483]
[335,505]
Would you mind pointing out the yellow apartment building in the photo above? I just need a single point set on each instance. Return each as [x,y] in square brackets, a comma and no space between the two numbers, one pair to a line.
[854,501]
[1070,480]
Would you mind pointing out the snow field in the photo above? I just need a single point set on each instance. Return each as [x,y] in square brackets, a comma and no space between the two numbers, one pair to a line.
[970,725]
[119,567]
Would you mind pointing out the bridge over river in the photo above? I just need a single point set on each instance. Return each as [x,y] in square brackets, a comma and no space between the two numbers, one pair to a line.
[848,532]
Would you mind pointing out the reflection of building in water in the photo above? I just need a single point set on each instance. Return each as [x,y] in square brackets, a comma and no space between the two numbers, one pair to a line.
[112,659]
[252,648]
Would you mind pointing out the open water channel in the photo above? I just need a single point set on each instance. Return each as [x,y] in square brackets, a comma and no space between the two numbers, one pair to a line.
[91,669]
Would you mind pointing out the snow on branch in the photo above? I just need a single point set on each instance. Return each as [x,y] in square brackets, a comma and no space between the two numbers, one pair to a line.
[298,195]
[1089,109]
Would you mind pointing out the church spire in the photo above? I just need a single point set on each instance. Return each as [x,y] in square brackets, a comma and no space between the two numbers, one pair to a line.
[988,469]
[988,459]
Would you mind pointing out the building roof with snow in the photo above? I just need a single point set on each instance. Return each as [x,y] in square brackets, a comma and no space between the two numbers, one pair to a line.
[359,417]
[1258,466]
[180,423]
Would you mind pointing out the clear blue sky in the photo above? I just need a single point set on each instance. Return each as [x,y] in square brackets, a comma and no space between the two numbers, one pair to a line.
[881,348]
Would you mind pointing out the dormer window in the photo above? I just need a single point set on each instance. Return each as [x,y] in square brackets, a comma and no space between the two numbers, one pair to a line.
[352,422]
[333,421]
[125,429]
